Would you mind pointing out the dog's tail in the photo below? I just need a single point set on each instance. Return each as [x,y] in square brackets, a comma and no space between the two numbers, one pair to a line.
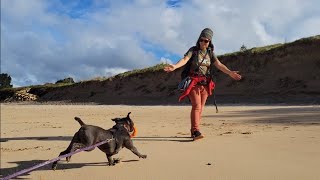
[79,121]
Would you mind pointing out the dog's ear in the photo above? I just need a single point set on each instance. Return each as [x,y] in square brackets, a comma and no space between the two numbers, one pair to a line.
[115,119]
[128,115]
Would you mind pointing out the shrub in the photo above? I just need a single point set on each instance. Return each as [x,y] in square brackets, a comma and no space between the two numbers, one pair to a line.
[68,80]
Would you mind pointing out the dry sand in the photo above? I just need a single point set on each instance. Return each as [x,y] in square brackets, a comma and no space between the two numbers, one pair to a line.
[241,142]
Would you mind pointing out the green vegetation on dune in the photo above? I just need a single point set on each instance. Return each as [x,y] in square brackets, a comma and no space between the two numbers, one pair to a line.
[155,68]
[45,86]
[263,49]
[50,85]
[254,50]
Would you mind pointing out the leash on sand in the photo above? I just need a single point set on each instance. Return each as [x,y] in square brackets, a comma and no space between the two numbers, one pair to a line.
[53,160]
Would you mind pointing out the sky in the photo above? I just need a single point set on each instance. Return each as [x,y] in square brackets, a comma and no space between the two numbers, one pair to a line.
[43,41]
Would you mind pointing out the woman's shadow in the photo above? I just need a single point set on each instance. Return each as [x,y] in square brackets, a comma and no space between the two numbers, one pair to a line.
[170,138]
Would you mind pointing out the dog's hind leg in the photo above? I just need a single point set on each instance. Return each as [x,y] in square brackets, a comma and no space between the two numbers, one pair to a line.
[54,164]
[73,146]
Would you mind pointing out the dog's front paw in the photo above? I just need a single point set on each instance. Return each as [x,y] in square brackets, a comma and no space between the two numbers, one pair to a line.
[111,163]
[143,156]
[116,160]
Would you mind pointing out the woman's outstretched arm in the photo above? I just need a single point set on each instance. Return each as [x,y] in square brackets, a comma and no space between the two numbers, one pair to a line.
[180,63]
[233,74]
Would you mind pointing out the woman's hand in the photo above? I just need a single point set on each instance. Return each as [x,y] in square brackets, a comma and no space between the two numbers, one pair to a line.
[234,75]
[169,68]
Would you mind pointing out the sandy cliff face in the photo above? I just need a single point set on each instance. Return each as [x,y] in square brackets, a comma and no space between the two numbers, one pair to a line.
[289,73]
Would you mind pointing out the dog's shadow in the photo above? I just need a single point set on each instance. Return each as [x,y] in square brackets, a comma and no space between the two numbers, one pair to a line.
[170,138]
[21,165]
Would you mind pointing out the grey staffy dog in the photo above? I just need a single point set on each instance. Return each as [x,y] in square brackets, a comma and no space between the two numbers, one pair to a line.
[118,137]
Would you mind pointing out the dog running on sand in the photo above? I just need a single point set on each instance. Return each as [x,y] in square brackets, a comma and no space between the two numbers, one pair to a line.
[117,137]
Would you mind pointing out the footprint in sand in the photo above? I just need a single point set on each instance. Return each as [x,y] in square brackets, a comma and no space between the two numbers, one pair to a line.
[228,132]
[181,133]
[247,132]
[23,149]
[207,124]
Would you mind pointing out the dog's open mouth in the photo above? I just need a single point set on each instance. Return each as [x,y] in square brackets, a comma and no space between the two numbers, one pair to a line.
[134,132]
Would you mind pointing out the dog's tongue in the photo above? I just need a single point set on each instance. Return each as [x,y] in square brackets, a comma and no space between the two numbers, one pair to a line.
[134,132]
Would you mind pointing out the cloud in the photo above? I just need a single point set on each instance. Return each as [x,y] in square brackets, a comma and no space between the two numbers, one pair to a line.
[262,33]
[43,41]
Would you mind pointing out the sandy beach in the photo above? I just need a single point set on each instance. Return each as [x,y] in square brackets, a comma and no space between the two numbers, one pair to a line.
[241,142]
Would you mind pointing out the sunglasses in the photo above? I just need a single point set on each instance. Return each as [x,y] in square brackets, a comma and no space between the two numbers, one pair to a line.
[204,40]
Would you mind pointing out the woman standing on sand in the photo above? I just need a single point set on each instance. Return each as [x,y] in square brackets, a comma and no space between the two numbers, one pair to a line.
[202,59]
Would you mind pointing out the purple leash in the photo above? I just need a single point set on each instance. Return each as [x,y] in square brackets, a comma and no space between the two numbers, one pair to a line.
[53,160]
